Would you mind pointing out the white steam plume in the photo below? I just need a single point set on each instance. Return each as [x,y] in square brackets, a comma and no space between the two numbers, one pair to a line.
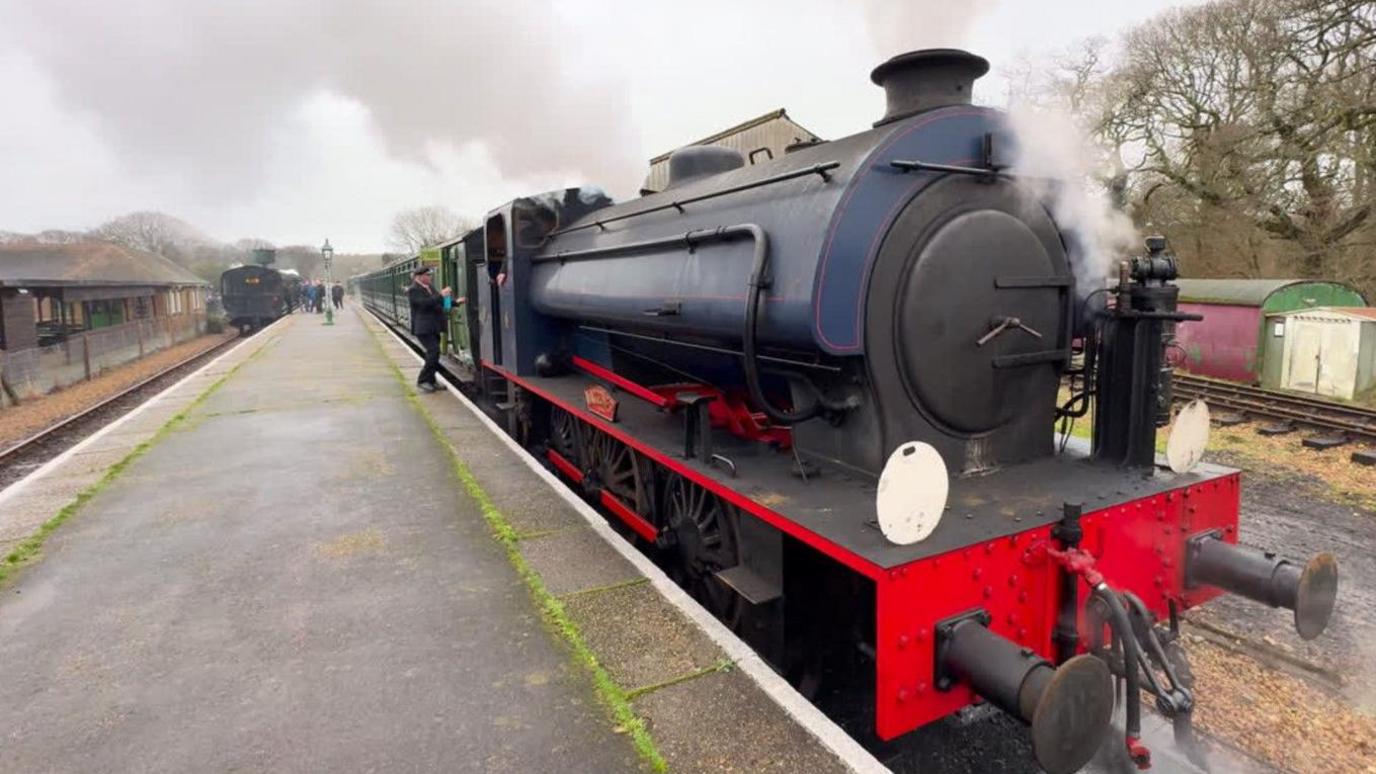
[1057,158]
[899,26]
[197,89]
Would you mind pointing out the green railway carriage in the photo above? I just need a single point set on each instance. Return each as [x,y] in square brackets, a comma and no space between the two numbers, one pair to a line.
[458,271]
[384,291]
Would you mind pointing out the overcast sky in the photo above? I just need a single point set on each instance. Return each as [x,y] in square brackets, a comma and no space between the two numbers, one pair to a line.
[294,120]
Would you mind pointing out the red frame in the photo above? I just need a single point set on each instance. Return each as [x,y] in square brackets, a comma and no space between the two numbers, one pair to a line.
[593,369]
[841,554]
[564,466]
[1139,546]
[639,524]
[632,519]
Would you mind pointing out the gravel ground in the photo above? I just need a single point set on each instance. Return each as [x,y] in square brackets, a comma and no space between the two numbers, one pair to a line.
[20,422]
[1301,706]
[1281,719]
[1298,517]
[31,416]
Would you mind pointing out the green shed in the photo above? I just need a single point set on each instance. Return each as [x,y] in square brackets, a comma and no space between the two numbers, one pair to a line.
[1228,343]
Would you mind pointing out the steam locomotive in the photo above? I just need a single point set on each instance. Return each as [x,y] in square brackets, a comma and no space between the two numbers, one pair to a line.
[254,295]
[821,391]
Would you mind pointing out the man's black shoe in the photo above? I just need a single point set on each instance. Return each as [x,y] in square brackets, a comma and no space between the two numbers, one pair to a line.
[427,387]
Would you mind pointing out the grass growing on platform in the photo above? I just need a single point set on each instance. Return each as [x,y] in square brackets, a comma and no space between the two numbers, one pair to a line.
[29,550]
[617,700]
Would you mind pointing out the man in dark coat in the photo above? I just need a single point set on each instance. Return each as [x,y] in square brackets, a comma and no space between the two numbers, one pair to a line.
[427,322]
[337,295]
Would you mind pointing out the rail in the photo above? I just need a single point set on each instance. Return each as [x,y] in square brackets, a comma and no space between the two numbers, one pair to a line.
[1355,422]
[19,446]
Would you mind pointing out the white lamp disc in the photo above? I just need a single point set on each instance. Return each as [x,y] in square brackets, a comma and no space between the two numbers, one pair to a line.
[1189,437]
[912,493]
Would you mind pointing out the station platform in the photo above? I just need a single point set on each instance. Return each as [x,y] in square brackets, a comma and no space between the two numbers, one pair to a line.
[292,562]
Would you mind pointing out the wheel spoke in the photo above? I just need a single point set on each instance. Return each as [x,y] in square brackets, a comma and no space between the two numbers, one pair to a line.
[706,544]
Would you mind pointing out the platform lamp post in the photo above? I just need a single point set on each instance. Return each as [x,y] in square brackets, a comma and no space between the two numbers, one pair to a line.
[327,253]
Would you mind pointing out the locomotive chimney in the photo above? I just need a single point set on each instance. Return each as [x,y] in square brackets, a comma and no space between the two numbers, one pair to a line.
[926,79]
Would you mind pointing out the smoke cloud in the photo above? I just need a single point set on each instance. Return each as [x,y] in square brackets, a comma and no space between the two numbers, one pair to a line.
[196,90]
[898,26]
[1057,158]
[1056,155]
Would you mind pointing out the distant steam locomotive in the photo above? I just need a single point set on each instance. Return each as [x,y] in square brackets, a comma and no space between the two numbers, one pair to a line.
[821,391]
[255,295]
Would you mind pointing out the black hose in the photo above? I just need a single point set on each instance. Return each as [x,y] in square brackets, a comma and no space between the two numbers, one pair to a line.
[1122,631]
[748,350]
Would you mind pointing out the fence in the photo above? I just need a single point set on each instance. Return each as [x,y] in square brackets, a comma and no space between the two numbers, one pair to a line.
[40,370]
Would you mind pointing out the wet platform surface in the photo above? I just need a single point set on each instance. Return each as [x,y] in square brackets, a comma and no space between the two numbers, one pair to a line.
[280,565]
[290,579]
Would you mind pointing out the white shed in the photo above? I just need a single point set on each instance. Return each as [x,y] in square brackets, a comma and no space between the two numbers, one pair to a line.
[1328,351]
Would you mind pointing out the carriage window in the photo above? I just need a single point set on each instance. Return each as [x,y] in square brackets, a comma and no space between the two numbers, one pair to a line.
[1278,329]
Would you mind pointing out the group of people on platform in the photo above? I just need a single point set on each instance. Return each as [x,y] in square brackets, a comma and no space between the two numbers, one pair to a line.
[316,295]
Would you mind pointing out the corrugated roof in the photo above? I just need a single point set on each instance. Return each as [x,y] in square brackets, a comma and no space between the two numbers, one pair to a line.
[1242,292]
[88,264]
[1349,312]
[768,136]
[711,138]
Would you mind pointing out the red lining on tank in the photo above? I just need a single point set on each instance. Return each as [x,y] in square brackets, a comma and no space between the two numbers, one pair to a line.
[854,185]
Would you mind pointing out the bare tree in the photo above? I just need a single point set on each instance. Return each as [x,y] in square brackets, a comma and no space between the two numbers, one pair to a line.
[1255,125]
[52,236]
[305,259]
[1243,129]
[154,232]
[423,226]
[1077,82]
[57,236]
[248,244]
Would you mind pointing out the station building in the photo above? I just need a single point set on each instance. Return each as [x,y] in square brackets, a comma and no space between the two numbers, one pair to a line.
[70,311]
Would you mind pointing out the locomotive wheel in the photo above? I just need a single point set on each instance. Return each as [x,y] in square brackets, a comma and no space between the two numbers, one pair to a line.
[622,472]
[616,468]
[705,541]
[566,435]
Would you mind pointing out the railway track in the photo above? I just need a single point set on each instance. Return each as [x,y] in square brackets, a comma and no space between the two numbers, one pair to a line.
[21,457]
[1352,422]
